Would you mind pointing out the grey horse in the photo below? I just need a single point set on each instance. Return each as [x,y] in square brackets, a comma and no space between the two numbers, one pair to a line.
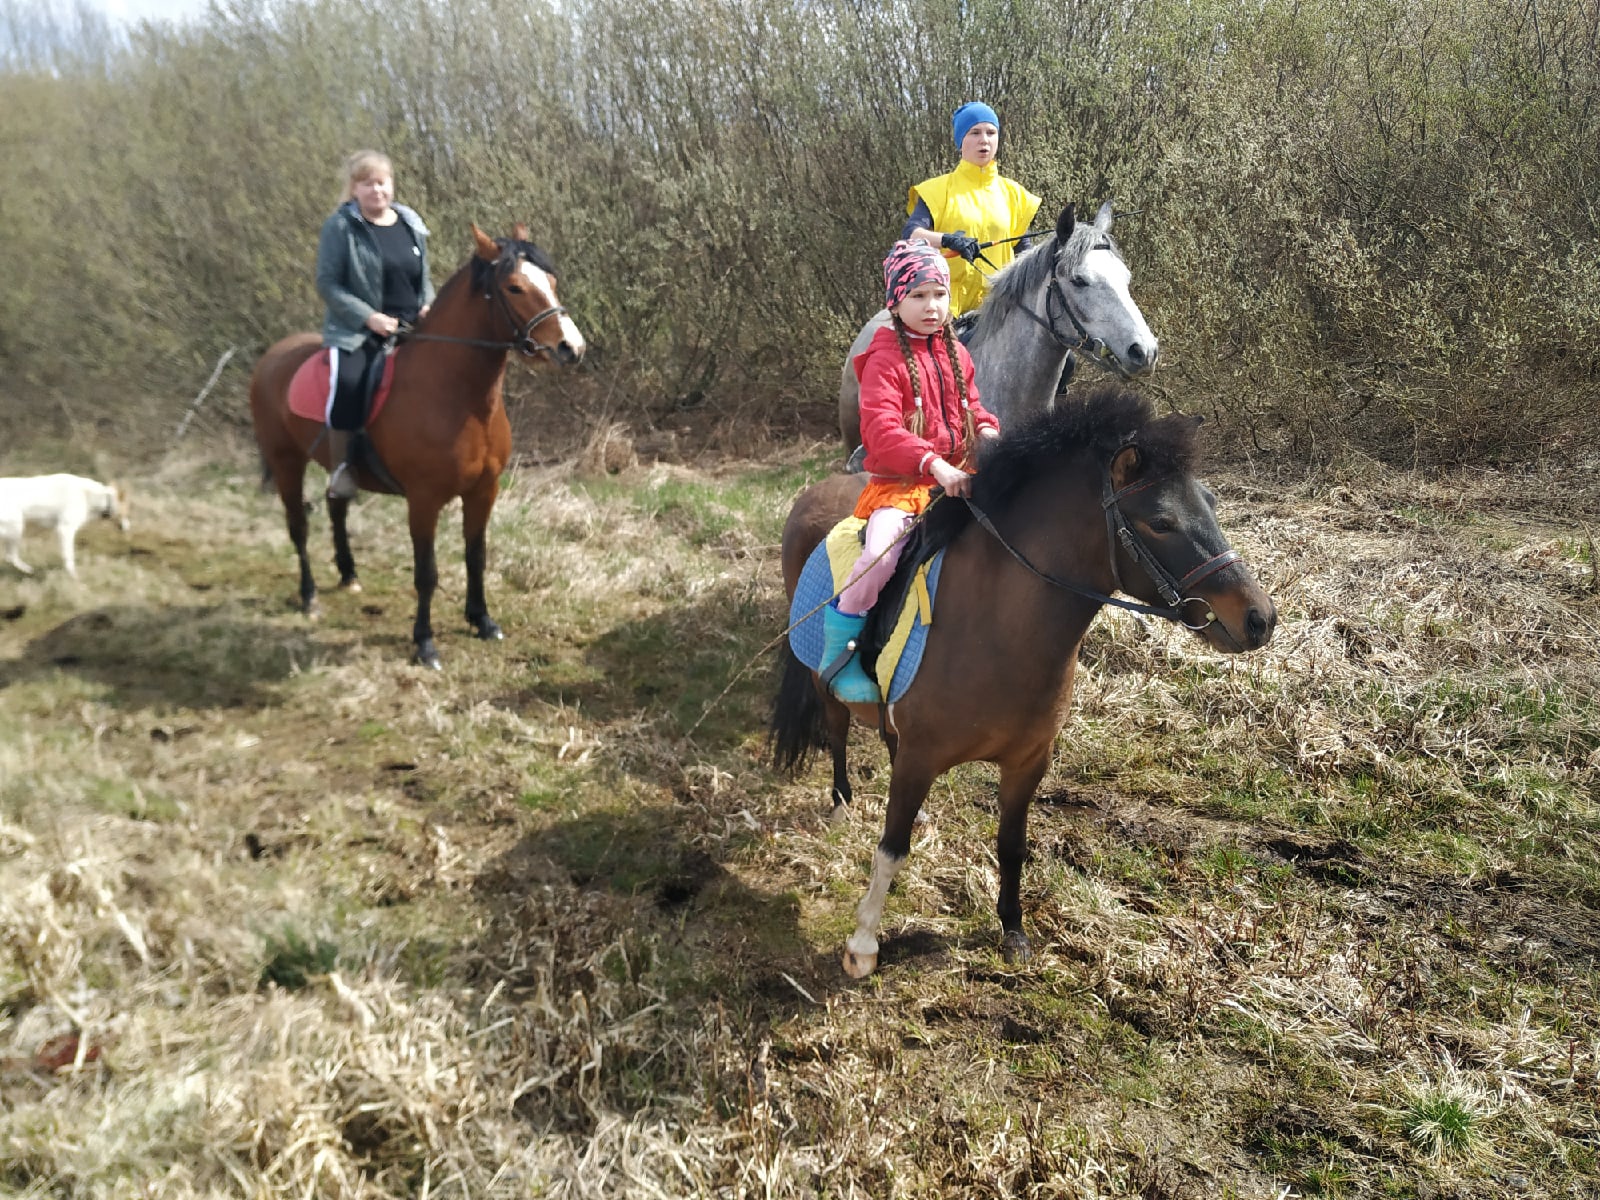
[1067,293]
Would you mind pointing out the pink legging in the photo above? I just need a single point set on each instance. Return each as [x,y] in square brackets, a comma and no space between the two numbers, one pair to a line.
[867,577]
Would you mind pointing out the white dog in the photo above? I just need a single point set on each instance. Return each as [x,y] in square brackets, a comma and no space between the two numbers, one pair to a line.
[64,501]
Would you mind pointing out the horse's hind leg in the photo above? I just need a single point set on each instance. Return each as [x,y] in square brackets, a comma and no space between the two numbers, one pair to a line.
[1018,782]
[908,787]
[475,509]
[290,476]
[338,513]
[836,723]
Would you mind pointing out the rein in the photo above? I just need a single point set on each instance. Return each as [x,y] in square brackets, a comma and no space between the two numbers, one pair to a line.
[1119,531]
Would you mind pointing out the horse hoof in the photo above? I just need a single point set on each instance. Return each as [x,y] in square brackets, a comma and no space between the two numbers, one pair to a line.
[488,631]
[1014,948]
[427,656]
[310,609]
[859,966]
[839,815]
[350,585]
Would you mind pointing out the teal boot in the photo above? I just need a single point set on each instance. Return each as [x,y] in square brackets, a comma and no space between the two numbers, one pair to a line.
[841,665]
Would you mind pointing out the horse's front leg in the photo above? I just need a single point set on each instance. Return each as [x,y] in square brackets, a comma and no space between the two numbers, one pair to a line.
[908,787]
[425,575]
[476,506]
[338,512]
[1018,782]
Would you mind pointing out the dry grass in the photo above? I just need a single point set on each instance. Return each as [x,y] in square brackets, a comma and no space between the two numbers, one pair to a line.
[283,916]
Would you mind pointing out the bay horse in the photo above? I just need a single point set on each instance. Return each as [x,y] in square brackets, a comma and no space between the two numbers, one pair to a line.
[443,431]
[1068,293]
[1072,505]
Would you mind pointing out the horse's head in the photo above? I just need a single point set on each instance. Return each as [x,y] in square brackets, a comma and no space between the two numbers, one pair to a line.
[1168,547]
[519,278]
[1091,279]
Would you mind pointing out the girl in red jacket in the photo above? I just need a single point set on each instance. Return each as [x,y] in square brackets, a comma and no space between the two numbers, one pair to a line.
[920,422]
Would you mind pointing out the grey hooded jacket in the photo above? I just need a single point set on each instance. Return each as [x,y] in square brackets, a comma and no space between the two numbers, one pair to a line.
[350,272]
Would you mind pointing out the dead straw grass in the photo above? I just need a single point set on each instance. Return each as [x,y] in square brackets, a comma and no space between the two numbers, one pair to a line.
[1275,899]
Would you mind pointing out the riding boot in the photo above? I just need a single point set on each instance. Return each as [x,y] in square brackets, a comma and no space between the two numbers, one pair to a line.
[341,476]
[841,664]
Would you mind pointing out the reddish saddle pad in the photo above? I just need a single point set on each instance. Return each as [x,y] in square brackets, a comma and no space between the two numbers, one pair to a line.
[308,390]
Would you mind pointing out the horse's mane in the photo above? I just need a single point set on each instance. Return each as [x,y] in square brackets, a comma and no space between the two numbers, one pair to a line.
[510,250]
[1094,428]
[1011,286]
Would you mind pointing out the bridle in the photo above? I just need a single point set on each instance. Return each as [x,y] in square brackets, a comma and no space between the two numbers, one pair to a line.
[1096,350]
[1118,531]
[522,339]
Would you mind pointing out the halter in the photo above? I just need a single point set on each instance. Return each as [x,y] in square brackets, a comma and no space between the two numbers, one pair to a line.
[522,339]
[1119,531]
[1098,352]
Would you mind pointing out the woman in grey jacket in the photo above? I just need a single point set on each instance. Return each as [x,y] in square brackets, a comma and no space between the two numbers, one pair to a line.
[372,272]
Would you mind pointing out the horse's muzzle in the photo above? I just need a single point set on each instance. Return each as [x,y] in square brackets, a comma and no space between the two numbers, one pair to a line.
[566,355]
[1140,360]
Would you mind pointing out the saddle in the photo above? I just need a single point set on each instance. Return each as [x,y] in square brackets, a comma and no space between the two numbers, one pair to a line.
[895,634]
[308,390]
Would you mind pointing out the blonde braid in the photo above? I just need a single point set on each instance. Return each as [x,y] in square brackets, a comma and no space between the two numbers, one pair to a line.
[914,422]
[969,424]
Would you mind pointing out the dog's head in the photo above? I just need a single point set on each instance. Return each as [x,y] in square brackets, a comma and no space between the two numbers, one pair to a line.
[117,505]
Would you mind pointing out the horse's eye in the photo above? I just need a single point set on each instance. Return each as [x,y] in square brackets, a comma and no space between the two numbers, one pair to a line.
[1078,281]
[515,288]
[1161,524]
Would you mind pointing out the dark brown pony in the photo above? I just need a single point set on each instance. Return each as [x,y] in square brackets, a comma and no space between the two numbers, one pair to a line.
[443,432]
[1081,501]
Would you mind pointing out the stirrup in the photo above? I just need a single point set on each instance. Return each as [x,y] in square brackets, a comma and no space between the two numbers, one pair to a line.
[342,483]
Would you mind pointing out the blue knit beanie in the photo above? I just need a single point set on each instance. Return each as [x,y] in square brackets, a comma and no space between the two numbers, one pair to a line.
[973,112]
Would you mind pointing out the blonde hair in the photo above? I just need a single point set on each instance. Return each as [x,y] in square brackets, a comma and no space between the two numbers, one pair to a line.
[363,164]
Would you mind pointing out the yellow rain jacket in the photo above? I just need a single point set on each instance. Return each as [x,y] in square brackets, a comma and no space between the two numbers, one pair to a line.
[989,207]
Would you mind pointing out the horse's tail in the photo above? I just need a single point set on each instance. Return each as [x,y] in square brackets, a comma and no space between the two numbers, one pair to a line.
[796,726]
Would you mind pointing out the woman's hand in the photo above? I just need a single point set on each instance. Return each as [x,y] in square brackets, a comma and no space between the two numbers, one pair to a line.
[953,480]
[423,312]
[382,324]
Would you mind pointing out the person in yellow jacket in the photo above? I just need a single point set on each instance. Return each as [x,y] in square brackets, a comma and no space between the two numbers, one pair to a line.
[971,205]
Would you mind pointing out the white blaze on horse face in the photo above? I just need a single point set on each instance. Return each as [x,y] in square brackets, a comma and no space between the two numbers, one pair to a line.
[541,280]
[1099,292]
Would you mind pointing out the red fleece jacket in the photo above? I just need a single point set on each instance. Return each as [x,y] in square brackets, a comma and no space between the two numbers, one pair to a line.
[893,451]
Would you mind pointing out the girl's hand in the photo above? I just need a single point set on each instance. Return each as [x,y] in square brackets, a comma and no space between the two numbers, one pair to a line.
[382,324]
[953,480]
[988,431]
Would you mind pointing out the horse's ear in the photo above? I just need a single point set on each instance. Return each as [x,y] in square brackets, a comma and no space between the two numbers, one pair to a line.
[1066,223]
[1125,467]
[1103,218]
[519,232]
[486,247]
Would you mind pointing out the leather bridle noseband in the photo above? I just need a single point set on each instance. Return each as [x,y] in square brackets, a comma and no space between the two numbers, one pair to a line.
[1118,531]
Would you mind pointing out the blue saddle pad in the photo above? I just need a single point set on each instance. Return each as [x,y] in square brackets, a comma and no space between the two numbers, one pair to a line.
[816,588]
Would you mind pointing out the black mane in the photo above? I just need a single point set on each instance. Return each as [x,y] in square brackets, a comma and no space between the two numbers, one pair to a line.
[511,251]
[1092,428]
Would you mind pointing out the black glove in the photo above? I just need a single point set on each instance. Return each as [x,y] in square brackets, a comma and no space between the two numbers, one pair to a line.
[966,247]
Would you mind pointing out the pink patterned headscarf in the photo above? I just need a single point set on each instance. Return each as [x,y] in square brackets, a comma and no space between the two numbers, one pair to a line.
[909,264]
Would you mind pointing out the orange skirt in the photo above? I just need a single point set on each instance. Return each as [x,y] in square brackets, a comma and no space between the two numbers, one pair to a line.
[893,493]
